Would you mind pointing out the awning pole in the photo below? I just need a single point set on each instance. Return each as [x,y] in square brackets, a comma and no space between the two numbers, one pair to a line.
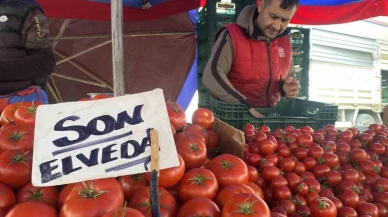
[117,48]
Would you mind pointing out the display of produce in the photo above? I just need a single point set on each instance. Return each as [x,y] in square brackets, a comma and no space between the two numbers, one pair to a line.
[289,171]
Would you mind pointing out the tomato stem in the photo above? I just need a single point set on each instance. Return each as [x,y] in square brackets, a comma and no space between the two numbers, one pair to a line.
[89,192]
[16,136]
[380,189]
[31,110]
[356,190]
[245,208]
[199,179]
[323,204]
[19,158]
[227,164]
[36,195]
[123,212]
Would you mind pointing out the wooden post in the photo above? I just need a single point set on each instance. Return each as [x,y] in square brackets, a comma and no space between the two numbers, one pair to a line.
[117,48]
[155,173]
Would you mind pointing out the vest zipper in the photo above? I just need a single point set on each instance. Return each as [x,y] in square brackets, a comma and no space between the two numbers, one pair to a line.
[270,73]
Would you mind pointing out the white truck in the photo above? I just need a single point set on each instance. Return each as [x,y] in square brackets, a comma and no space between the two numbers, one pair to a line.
[347,68]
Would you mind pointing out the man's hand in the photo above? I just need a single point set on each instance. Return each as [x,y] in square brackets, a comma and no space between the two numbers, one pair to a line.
[291,87]
[255,113]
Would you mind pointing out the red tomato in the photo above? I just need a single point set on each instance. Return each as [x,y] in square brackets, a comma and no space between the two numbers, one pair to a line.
[267,146]
[25,115]
[141,201]
[85,99]
[351,175]
[124,212]
[300,153]
[337,202]
[199,207]
[3,105]
[17,137]
[310,163]
[323,207]
[293,179]
[101,96]
[313,185]
[331,160]
[213,139]
[132,183]
[368,209]
[383,212]
[32,209]
[15,168]
[257,189]
[318,138]
[3,212]
[264,129]
[347,135]
[343,147]
[307,129]
[193,152]
[188,135]
[229,191]
[259,137]
[245,205]
[253,174]
[347,212]
[301,189]
[93,198]
[171,176]
[48,195]
[358,156]
[198,129]
[278,181]
[198,183]
[288,206]
[282,193]
[8,113]
[7,125]
[176,115]
[381,185]
[229,169]
[377,148]
[305,140]
[349,198]
[284,151]
[270,172]
[7,197]
[287,164]
[203,117]
[333,178]
[321,170]
[64,194]
[316,152]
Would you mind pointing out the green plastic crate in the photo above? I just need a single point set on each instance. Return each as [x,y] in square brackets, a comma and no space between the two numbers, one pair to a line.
[295,112]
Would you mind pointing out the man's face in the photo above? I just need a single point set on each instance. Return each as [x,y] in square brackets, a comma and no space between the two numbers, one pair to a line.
[273,19]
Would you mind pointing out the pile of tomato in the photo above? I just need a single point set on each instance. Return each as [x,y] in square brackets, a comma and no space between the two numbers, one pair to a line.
[326,172]
[294,172]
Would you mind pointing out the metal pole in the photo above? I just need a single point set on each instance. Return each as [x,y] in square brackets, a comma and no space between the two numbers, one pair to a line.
[117,48]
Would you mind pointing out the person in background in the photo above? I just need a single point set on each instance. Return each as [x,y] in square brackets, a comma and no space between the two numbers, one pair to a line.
[251,61]
[26,55]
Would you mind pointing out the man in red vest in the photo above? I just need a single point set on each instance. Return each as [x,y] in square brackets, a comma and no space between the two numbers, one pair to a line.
[251,61]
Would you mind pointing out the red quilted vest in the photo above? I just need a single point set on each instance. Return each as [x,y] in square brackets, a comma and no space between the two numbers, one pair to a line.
[259,68]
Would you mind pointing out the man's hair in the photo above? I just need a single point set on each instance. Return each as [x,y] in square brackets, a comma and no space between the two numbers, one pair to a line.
[285,4]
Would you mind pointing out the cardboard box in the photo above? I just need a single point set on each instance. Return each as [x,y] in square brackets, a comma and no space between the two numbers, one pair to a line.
[232,140]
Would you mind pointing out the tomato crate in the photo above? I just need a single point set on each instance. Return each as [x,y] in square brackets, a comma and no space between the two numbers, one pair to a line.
[295,112]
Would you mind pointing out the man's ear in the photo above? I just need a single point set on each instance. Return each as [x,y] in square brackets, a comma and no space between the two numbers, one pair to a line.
[261,6]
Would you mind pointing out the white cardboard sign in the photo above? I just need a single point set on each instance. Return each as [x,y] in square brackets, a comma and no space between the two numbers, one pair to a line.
[81,141]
